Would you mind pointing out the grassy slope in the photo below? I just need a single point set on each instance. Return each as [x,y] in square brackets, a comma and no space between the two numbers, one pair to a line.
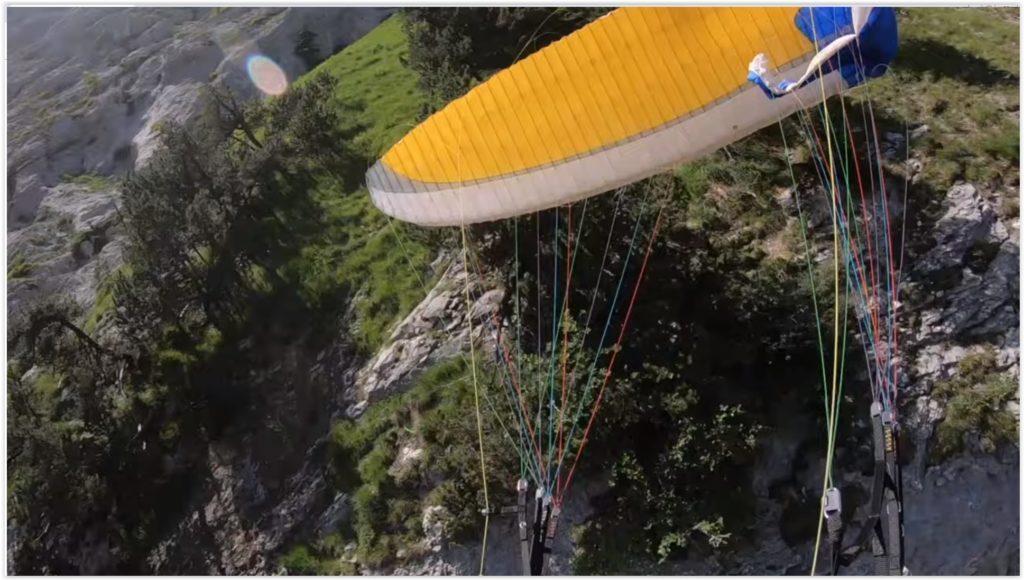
[957,71]
[360,251]
[371,73]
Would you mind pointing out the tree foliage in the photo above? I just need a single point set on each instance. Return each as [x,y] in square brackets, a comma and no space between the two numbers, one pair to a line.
[453,48]
[100,426]
[77,447]
[224,203]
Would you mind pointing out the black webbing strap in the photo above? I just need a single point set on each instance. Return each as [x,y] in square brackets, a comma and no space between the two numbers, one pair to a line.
[542,517]
[524,532]
[883,528]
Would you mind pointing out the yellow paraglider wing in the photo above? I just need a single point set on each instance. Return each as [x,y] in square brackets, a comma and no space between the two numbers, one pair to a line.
[628,96]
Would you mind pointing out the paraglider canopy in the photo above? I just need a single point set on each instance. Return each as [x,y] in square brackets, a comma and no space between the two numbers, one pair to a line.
[630,95]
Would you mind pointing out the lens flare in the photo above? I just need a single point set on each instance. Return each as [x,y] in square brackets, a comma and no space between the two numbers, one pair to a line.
[266,75]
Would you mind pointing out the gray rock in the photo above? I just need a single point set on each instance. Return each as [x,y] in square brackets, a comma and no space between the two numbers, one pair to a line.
[436,307]
[503,558]
[355,410]
[986,305]
[335,514]
[24,201]
[1013,407]
[436,520]
[220,533]
[983,486]
[410,453]
[109,74]
[436,330]
[68,246]
[487,304]
[170,103]
[968,219]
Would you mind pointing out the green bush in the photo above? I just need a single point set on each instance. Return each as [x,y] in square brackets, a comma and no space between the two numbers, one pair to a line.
[367,259]
[299,562]
[105,302]
[325,557]
[975,402]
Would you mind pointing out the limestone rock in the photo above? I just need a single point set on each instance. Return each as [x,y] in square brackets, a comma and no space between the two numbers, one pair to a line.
[968,219]
[87,90]
[436,330]
[334,515]
[435,526]
[73,240]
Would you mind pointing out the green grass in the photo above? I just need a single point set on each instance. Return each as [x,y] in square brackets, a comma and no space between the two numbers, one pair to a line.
[46,387]
[361,255]
[81,108]
[19,268]
[299,561]
[381,265]
[371,72]
[104,304]
[320,558]
[92,82]
[91,181]
[104,300]
[957,71]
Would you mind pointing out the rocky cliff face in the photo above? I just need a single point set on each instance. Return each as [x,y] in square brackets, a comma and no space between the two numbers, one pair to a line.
[264,483]
[87,87]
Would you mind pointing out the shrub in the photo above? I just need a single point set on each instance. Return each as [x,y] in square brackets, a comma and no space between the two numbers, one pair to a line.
[300,562]
[976,401]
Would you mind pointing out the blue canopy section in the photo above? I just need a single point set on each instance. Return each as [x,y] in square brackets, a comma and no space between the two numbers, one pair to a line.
[867,58]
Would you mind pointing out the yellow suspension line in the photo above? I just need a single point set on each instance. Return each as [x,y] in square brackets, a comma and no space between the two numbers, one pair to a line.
[476,399]
[831,419]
